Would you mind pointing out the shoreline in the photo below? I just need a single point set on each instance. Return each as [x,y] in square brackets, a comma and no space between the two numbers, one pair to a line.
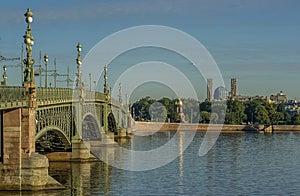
[152,127]
[158,126]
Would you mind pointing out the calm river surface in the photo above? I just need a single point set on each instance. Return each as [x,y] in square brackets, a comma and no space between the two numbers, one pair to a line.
[238,164]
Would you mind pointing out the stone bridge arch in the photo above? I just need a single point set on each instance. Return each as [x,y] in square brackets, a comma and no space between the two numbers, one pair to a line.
[52,138]
[112,123]
[119,121]
[91,128]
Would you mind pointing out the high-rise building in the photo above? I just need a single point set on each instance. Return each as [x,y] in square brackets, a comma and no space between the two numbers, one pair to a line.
[209,91]
[233,92]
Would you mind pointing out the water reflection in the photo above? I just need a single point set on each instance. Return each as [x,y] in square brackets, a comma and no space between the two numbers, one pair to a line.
[180,185]
[238,164]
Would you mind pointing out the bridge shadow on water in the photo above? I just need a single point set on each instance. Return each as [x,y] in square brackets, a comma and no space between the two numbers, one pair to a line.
[77,177]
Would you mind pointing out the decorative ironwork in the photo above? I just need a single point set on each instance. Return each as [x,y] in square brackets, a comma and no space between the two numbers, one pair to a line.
[90,129]
[59,117]
[54,94]
[12,94]
[56,112]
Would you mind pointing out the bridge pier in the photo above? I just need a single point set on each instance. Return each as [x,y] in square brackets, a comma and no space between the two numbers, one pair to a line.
[21,168]
[121,132]
[80,150]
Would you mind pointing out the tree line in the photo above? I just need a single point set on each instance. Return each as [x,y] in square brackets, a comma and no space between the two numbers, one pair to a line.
[255,111]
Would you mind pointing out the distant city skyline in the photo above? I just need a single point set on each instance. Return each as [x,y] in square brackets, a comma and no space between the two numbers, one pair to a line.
[255,41]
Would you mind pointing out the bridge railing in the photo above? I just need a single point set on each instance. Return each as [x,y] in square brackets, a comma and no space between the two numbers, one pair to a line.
[12,93]
[100,96]
[95,96]
[90,95]
[57,94]
[116,103]
[54,94]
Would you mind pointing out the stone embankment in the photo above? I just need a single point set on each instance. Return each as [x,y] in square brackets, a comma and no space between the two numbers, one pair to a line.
[157,126]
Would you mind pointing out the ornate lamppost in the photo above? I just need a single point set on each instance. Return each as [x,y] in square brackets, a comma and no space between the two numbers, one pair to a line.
[4,75]
[29,41]
[105,90]
[78,61]
[90,77]
[120,93]
[54,73]
[46,59]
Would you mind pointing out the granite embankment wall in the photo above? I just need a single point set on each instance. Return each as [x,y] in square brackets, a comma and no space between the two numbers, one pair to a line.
[156,126]
[286,127]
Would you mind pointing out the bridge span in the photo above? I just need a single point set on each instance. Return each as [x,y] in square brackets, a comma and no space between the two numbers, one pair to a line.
[55,119]
[60,111]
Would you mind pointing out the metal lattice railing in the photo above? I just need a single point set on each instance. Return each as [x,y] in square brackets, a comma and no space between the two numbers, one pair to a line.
[12,93]
[65,94]
[53,94]
[100,96]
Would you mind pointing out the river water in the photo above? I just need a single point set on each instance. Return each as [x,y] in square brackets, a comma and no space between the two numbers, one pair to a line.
[238,164]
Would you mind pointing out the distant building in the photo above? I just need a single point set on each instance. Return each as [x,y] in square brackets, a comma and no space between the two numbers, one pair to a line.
[209,90]
[278,98]
[220,93]
[292,107]
[247,98]
[179,110]
[233,91]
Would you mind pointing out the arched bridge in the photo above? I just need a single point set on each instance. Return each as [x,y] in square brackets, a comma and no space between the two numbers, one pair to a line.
[62,114]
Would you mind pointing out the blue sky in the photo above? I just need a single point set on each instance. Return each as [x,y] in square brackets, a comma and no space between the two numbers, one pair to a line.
[256,41]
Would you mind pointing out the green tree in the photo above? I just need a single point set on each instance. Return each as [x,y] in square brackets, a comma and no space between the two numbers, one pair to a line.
[214,118]
[271,112]
[170,107]
[205,106]
[141,108]
[250,107]
[296,119]
[277,118]
[280,108]
[235,112]
[158,112]
[191,109]
[282,116]
[249,110]
[204,117]
[261,115]
[287,118]
[219,107]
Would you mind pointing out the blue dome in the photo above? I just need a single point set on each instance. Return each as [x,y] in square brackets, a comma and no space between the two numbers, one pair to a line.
[220,93]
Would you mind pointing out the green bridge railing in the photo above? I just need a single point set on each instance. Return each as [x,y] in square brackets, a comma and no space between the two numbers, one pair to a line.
[12,94]
[53,94]
[12,97]
[56,94]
